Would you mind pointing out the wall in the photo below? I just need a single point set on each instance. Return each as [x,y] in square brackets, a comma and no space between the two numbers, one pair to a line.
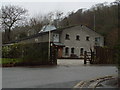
[83,32]
[41,38]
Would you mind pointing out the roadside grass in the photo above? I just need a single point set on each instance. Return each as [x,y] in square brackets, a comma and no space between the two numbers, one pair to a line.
[10,60]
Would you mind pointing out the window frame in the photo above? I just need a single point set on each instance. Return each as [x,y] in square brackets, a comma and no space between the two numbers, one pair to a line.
[67,37]
[78,37]
[66,50]
[97,39]
[81,51]
[72,50]
[87,38]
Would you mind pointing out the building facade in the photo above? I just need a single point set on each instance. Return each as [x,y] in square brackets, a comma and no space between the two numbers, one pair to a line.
[71,41]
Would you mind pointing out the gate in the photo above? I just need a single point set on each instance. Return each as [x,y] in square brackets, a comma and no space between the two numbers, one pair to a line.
[88,57]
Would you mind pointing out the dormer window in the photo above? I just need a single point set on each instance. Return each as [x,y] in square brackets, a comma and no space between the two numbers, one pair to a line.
[67,37]
[77,37]
[55,37]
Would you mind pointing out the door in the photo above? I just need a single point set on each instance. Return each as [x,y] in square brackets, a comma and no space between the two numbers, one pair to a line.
[60,50]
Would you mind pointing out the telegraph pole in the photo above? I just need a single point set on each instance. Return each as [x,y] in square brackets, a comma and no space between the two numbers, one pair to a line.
[94,21]
[49,46]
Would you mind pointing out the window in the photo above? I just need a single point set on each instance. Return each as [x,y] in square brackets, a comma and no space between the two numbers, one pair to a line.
[81,51]
[55,37]
[36,39]
[77,37]
[72,50]
[97,39]
[66,51]
[87,38]
[67,37]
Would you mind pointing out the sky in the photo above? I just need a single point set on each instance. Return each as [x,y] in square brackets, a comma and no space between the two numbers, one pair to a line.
[36,7]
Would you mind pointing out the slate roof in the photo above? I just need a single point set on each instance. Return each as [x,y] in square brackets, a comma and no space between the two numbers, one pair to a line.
[47,28]
[58,30]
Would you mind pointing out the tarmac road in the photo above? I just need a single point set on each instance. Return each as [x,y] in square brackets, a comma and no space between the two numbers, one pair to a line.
[65,75]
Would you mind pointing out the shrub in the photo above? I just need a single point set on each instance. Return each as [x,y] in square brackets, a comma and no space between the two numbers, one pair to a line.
[15,51]
[6,51]
[36,52]
[11,51]
[29,53]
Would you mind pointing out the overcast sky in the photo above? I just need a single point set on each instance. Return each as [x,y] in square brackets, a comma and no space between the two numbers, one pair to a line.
[36,7]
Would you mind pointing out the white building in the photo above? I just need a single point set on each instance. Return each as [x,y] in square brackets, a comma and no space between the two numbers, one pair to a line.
[73,40]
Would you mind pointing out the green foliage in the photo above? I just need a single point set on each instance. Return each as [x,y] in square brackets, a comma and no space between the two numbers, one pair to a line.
[10,60]
[28,53]
[36,52]
[22,35]
[15,51]
[5,51]
[11,51]
[104,16]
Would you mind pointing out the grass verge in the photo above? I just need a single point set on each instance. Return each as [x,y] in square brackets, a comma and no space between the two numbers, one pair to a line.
[10,60]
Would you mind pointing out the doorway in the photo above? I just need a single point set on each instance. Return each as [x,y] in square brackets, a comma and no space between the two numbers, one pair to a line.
[60,51]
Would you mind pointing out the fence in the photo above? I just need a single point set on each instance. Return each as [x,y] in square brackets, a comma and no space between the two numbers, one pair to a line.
[100,56]
[104,55]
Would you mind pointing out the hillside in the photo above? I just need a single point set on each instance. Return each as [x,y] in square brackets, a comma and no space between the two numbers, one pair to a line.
[103,18]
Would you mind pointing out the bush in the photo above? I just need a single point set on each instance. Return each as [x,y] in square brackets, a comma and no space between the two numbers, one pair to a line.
[11,51]
[36,52]
[6,51]
[29,53]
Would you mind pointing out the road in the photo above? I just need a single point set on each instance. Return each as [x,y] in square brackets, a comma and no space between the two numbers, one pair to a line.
[65,75]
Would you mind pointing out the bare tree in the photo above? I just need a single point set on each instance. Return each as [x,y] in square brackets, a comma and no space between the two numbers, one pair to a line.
[36,23]
[53,17]
[58,17]
[11,17]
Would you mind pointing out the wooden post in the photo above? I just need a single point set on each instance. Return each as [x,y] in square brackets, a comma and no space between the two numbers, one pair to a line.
[56,56]
[85,57]
[92,58]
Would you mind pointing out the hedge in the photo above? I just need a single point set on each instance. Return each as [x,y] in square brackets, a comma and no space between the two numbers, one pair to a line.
[32,53]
